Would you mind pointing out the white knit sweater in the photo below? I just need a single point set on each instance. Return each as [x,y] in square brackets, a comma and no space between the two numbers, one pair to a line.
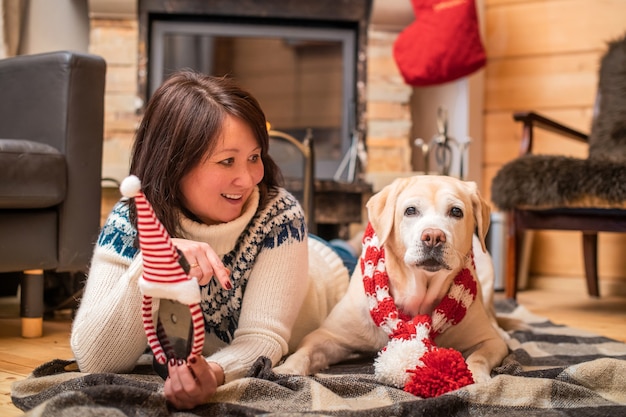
[284,285]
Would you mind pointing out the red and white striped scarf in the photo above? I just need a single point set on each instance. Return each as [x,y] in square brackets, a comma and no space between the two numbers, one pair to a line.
[413,337]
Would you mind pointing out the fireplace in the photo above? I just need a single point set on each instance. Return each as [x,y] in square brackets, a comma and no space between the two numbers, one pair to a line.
[304,61]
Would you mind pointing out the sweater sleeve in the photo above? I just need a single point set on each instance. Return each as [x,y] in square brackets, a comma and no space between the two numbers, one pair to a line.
[107,333]
[274,294]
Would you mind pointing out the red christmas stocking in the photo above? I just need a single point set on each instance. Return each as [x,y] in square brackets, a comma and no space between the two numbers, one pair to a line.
[442,44]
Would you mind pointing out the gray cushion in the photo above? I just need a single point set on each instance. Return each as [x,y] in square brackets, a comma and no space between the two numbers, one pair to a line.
[32,175]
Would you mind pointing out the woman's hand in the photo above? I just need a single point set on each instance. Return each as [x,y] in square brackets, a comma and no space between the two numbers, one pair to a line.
[204,263]
[191,383]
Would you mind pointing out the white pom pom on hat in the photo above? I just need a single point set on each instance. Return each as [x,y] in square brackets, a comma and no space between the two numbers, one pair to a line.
[130,186]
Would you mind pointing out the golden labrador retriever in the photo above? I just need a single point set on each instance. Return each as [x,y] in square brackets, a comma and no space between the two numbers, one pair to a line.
[426,225]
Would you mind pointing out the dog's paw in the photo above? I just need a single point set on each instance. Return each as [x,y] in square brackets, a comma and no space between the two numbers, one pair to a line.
[481,371]
[480,376]
[293,365]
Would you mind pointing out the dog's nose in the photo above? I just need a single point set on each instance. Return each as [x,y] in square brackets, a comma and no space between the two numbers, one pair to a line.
[433,237]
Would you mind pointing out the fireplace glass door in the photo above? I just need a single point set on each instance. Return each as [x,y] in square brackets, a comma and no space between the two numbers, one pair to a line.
[302,75]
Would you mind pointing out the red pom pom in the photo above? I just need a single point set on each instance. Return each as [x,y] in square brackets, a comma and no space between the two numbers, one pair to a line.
[444,370]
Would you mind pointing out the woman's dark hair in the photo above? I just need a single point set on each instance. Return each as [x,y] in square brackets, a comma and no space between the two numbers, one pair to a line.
[181,123]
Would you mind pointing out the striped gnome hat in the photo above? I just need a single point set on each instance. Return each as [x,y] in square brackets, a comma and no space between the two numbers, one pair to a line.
[411,360]
[163,276]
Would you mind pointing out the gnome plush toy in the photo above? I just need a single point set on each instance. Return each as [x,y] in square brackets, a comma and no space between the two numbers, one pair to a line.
[411,360]
[163,276]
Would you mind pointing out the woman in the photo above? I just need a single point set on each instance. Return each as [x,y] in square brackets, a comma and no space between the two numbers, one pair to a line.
[201,152]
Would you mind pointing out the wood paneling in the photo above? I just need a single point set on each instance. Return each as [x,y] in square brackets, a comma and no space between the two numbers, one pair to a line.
[503,135]
[565,254]
[568,80]
[551,27]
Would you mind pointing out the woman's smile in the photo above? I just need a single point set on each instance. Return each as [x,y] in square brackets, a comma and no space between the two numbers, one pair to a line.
[233,196]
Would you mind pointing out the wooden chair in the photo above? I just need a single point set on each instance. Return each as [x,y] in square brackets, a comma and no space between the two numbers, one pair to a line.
[296,160]
[565,193]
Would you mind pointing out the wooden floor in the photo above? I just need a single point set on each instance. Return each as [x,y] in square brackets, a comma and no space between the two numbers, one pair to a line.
[18,356]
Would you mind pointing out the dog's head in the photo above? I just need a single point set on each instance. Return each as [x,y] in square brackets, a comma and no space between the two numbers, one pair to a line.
[430,220]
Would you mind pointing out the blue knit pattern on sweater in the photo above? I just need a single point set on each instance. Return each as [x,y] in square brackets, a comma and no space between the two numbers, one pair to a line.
[280,222]
[118,233]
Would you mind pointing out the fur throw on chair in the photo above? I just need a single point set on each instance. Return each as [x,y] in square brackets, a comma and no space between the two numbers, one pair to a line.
[608,132]
[546,181]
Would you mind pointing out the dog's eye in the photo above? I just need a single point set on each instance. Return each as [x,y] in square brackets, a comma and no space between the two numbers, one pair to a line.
[456,212]
[411,211]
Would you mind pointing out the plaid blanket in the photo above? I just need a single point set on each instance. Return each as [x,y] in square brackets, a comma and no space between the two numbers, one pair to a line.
[551,370]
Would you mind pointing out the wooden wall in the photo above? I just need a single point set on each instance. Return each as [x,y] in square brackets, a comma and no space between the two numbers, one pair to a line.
[544,55]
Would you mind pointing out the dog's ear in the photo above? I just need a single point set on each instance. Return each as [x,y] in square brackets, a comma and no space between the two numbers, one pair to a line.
[381,209]
[482,213]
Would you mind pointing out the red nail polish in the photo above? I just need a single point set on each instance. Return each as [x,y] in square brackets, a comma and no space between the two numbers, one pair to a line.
[181,361]
[192,360]
[229,285]
[173,361]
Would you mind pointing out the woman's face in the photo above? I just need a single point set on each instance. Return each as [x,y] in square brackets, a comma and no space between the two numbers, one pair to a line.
[217,188]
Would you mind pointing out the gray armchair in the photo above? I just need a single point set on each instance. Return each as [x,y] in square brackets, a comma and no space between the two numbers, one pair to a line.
[51,131]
